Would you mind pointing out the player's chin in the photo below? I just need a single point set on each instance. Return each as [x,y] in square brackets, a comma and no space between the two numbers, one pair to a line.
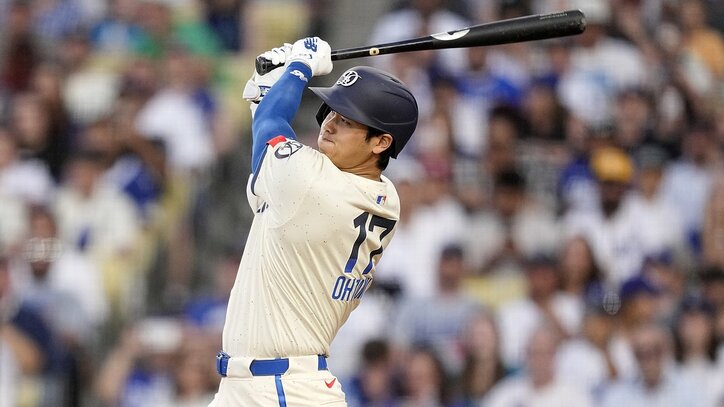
[325,145]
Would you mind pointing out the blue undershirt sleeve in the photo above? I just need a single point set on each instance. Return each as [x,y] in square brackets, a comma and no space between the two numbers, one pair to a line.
[275,112]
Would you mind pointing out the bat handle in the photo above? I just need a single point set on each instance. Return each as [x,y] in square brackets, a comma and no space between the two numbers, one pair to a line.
[264,66]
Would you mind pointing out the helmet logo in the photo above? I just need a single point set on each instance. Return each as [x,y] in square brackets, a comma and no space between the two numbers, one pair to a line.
[348,78]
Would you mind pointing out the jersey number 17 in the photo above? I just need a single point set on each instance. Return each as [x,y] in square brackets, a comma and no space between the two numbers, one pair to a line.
[364,226]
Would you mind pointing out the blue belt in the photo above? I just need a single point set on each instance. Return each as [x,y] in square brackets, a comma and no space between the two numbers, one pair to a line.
[264,367]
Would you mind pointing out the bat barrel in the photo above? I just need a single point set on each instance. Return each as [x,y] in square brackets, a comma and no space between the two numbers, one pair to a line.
[521,29]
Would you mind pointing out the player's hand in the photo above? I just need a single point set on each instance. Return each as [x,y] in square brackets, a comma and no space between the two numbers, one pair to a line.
[315,52]
[259,85]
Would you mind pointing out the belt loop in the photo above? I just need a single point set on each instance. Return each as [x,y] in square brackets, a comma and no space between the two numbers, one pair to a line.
[222,363]
[321,362]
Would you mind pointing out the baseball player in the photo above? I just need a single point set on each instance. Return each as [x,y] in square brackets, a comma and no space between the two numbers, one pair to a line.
[322,220]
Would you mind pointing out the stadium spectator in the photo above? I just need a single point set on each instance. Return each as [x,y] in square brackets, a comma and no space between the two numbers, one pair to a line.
[438,321]
[131,163]
[660,231]
[224,18]
[38,135]
[117,32]
[688,181]
[586,360]
[139,370]
[64,298]
[26,180]
[434,206]
[86,77]
[26,349]
[700,40]
[397,267]
[420,17]
[21,49]
[544,303]
[612,231]
[514,228]
[56,273]
[374,384]
[580,275]
[695,347]
[424,380]
[194,375]
[670,280]
[635,305]
[658,382]
[483,367]
[538,385]
[98,222]
[600,66]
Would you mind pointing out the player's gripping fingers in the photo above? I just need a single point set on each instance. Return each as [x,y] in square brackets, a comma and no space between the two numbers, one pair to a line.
[315,52]
[279,55]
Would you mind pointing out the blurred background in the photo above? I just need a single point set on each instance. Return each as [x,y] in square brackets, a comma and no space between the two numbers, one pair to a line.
[562,231]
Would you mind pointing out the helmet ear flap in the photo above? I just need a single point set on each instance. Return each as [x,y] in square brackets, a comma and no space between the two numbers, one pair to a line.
[322,113]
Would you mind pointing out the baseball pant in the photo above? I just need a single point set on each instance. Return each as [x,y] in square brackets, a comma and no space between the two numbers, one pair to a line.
[302,381]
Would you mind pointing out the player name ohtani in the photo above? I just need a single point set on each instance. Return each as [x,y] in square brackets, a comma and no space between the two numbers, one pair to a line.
[348,289]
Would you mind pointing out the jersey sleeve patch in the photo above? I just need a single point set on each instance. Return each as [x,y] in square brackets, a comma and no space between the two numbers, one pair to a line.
[276,140]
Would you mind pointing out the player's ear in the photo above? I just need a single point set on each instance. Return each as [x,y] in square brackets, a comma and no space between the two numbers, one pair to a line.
[383,142]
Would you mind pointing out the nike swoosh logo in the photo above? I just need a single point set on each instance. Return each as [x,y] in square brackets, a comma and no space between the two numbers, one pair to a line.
[330,384]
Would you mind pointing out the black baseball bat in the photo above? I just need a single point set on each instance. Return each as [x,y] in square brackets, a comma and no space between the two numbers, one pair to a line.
[521,29]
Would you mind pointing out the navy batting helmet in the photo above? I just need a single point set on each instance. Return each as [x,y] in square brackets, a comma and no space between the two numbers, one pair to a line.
[374,98]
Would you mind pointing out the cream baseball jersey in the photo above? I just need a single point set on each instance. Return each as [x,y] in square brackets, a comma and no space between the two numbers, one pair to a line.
[310,255]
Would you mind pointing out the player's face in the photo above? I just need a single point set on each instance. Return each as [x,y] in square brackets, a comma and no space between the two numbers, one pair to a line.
[343,140]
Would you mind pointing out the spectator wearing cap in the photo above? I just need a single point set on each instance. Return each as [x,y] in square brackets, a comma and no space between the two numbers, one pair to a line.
[586,360]
[439,321]
[695,347]
[657,381]
[614,232]
[544,303]
[515,227]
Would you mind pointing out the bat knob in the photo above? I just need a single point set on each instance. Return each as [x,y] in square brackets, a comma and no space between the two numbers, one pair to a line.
[264,66]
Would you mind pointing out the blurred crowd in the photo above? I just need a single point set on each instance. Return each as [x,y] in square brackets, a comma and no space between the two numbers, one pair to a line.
[562,232]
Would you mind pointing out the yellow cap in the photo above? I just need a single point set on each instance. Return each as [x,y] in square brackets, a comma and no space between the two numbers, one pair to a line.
[612,164]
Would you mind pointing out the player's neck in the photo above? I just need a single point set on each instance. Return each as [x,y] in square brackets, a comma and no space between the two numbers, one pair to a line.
[365,170]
